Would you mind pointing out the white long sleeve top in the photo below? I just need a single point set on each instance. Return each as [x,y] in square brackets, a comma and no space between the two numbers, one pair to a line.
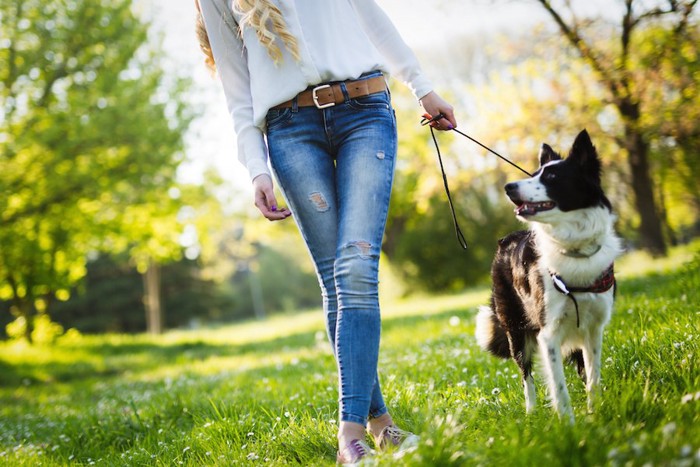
[338,40]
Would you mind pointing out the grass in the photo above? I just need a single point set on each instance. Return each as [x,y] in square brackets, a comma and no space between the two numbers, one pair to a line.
[265,392]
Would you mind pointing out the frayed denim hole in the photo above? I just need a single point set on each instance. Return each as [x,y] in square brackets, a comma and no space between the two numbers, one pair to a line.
[319,201]
[364,247]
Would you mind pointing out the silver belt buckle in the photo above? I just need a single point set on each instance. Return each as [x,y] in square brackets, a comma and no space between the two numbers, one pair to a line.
[315,97]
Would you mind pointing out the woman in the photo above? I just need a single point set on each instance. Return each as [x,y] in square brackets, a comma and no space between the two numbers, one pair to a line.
[305,84]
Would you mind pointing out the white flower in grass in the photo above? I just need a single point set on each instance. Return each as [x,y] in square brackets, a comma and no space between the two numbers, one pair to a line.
[186,449]
[454,321]
[250,434]
[252,456]
[495,391]
[668,429]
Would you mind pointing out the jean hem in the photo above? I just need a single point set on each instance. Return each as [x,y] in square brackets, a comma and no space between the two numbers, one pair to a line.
[347,417]
[378,413]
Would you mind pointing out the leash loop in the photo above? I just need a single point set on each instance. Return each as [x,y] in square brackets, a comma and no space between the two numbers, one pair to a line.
[458,231]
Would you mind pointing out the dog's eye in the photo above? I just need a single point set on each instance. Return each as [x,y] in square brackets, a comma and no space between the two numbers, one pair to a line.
[549,176]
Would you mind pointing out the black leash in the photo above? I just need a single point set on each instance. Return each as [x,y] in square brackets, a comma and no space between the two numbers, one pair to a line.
[460,236]
[427,120]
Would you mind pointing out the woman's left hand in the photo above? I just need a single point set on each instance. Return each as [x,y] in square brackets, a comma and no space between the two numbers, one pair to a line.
[434,105]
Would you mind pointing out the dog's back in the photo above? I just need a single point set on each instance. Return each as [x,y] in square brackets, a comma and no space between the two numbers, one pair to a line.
[509,327]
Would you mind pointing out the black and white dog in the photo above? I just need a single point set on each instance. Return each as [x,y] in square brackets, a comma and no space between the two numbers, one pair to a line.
[553,285]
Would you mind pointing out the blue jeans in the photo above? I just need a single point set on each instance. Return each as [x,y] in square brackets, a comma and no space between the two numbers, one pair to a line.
[335,167]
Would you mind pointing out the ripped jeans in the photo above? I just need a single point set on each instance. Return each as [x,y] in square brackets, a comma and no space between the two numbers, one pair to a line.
[335,167]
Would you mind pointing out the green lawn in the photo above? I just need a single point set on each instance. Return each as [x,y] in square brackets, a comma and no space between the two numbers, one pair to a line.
[265,392]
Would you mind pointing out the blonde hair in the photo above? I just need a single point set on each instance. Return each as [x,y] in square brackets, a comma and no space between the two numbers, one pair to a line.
[265,18]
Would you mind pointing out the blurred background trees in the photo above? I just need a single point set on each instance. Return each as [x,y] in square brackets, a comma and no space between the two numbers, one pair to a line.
[99,231]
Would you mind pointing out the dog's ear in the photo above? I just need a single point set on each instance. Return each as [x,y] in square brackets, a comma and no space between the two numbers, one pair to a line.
[584,154]
[547,154]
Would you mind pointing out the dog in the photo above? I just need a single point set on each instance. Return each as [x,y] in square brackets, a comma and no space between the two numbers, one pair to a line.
[554,284]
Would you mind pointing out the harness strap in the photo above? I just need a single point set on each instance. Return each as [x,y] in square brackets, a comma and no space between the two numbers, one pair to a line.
[604,283]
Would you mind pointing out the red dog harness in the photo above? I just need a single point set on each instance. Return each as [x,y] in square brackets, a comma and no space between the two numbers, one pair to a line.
[602,284]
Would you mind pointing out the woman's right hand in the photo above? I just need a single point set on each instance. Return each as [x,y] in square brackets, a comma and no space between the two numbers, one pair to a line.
[265,199]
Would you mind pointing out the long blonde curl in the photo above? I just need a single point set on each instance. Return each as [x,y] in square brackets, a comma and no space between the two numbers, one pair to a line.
[265,18]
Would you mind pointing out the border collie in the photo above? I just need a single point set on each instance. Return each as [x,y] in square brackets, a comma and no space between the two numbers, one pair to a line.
[553,285]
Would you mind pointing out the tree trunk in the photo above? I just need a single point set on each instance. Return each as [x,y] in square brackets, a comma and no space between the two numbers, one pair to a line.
[154,311]
[651,235]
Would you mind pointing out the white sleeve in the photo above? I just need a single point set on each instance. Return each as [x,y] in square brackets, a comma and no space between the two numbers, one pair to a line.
[232,67]
[401,60]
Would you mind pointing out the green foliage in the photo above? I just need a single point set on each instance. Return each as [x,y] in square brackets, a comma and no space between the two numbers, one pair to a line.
[90,138]
[270,390]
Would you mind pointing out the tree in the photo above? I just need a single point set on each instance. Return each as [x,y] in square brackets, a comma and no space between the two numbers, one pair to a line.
[614,69]
[90,133]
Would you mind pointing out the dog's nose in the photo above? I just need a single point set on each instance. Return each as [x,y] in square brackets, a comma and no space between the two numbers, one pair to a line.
[511,188]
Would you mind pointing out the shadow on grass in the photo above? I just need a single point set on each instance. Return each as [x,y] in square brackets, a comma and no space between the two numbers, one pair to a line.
[93,358]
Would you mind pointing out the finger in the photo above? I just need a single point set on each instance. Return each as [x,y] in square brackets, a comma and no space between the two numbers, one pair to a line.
[449,121]
[267,204]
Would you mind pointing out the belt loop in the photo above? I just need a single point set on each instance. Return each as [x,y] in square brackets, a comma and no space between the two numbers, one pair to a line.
[295,105]
[344,88]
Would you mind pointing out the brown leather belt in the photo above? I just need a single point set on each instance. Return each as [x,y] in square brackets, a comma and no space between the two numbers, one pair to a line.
[328,95]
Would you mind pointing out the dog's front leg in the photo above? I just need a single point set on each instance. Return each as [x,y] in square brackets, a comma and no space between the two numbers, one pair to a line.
[592,348]
[550,352]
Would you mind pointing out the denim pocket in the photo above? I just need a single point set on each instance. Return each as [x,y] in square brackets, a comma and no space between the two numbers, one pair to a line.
[276,117]
[378,100]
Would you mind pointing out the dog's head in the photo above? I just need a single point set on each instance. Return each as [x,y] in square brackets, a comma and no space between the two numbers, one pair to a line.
[560,185]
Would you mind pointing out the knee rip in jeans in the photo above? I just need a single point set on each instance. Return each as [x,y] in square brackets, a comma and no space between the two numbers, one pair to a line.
[319,201]
[364,247]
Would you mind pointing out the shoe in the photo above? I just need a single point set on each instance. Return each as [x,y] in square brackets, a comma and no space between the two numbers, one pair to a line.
[353,452]
[394,437]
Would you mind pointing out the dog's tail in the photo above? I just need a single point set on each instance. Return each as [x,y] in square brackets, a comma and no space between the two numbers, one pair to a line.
[489,333]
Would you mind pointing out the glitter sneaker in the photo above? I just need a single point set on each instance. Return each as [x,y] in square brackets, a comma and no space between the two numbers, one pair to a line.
[353,453]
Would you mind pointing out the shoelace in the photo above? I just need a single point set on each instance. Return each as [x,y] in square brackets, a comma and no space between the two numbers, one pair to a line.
[395,434]
[357,449]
